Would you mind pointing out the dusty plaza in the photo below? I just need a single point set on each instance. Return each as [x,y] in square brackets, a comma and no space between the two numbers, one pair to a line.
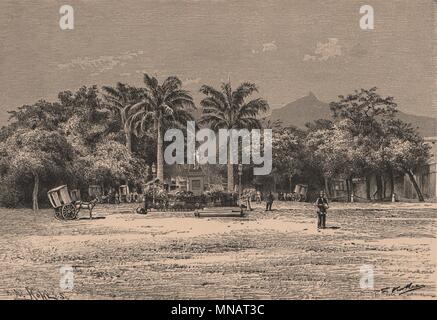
[174,255]
[218,158]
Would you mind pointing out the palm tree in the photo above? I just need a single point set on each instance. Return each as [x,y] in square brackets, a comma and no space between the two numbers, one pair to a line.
[268,123]
[121,98]
[227,109]
[166,106]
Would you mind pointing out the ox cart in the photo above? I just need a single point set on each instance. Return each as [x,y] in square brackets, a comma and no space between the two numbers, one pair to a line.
[65,208]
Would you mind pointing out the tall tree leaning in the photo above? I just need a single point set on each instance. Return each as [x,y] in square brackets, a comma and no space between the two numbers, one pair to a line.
[165,105]
[227,109]
[406,151]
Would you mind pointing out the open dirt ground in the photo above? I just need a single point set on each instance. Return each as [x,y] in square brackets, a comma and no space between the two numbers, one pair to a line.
[277,255]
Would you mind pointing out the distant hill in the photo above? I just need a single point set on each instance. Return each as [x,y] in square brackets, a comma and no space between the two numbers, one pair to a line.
[310,108]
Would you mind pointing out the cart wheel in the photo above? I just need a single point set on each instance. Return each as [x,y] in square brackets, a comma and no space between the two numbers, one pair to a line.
[58,214]
[69,211]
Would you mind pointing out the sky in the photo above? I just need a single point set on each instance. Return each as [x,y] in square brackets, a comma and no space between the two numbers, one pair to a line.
[287,47]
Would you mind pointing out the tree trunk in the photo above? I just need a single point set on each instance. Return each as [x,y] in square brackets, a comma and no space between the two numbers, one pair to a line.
[230,168]
[351,184]
[159,156]
[379,187]
[416,186]
[127,129]
[128,137]
[368,195]
[392,183]
[327,188]
[348,190]
[35,192]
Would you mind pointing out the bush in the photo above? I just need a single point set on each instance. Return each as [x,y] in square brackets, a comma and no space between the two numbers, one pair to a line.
[10,195]
[227,199]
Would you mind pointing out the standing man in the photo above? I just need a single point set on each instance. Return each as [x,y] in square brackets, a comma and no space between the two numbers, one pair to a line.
[249,195]
[269,201]
[322,207]
[258,197]
[143,210]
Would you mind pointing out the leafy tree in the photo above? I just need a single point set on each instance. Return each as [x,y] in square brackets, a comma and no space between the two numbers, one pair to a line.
[362,114]
[82,126]
[405,151]
[227,109]
[319,124]
[364,109]
[330,150]
[37,154]
[110,162]
[371,120]
[288,153]
[88,119]
[42,114]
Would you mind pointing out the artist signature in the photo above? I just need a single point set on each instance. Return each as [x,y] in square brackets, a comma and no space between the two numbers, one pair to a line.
[35,294]
[402,290]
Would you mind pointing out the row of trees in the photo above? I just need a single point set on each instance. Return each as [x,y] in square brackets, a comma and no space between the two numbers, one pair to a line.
[363,139]
[116,134]
[88,137]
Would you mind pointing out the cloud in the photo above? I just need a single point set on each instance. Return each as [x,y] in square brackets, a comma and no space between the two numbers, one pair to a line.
[325,51]
[100,64]
[271,46]
[189,81]
[308,57]
[266,47]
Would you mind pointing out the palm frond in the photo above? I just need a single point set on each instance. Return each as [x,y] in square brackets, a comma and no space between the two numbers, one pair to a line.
[151,82]
[211,92]
[248,123]
[243,91]
[171,84]
[253,108]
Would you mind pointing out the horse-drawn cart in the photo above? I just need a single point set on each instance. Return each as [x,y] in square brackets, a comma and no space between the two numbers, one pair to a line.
[65,208]
[60,199]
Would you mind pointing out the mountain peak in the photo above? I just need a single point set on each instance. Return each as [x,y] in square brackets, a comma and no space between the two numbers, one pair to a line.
[310,99]
[311,95]
[310,108]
